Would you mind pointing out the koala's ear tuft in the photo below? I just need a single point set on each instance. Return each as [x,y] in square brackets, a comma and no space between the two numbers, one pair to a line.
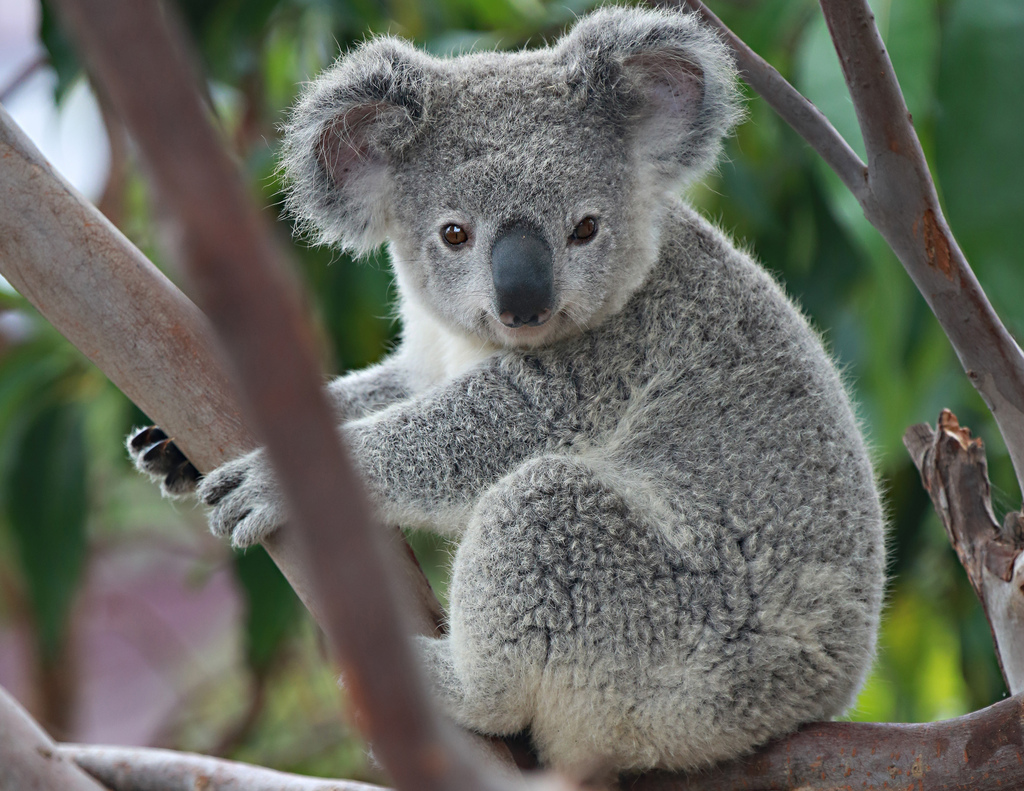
[666,79]
[348,128]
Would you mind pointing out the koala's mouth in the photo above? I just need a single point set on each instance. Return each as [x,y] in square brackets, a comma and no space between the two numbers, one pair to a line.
[529,335]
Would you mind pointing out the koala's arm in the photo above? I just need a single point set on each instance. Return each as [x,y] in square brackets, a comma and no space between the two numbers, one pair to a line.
[424,460]
[363,392]
[352,396]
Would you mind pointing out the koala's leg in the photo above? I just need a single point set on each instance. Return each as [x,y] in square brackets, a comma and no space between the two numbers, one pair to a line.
[559,597]
[475,695]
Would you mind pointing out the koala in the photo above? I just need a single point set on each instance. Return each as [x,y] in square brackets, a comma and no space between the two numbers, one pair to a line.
[670,541]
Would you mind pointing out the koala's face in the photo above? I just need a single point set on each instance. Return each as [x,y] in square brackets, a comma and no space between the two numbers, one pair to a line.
[518,214]
[522,192]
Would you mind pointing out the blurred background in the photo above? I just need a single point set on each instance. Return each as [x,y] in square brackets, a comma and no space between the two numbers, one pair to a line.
[122,621]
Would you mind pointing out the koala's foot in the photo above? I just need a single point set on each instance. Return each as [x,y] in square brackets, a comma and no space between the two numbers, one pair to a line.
[242,494]
[245,501]
[155,454]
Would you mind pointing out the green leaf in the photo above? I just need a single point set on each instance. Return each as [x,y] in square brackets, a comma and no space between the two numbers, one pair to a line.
[62,55]
[273,609]
[978,153]
[47,503]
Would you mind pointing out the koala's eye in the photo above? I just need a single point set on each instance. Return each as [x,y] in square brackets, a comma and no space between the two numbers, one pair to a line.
[585,231]
[454,235]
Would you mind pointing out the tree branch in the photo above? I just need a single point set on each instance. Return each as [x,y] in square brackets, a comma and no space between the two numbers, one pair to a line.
[29,760]
[140,57]
[954,472]
[791,105]
[108,299]
[905,208]
[982,751]
[900,200]
[151,769]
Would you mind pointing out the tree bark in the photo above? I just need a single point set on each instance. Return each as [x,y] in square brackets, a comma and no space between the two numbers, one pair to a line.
[896,192]
[983,751]
[29,760]
[955,473]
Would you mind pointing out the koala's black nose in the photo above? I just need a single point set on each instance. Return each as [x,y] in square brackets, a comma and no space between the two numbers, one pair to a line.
[521,267]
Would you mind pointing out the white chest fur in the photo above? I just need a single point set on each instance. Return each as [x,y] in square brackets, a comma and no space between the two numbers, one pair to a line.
[435,353]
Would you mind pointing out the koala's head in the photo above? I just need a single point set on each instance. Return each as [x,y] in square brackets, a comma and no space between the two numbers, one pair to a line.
[522,192]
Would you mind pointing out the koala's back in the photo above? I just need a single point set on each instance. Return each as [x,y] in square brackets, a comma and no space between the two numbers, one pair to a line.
[720,581]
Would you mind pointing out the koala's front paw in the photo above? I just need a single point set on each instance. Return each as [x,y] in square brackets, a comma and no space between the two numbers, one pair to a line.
[245,499]
[155,454]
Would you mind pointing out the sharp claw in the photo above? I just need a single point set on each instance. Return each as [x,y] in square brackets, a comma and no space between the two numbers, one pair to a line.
[182,477]
[165,451]
[147,436]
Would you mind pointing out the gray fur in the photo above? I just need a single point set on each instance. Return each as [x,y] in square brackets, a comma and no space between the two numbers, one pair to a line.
[670,538]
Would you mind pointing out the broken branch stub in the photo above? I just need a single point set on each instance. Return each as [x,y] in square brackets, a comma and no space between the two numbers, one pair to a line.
[954,472]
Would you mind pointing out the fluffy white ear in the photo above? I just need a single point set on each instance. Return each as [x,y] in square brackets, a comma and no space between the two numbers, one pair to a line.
[347,127]
[666,78]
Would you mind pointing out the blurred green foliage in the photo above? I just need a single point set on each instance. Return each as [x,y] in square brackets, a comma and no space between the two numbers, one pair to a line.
[960,64]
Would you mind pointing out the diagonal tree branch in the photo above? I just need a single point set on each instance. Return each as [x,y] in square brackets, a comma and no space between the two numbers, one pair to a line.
[139,56]
[904,206]
[791,105]
[105,296]
[29,759]
[900,200]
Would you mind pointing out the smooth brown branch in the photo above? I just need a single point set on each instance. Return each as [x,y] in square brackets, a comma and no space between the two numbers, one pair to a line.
[139,55]
[898,197]
[955,474]
[983,751]
[791,105]
[902,203]
[29,759]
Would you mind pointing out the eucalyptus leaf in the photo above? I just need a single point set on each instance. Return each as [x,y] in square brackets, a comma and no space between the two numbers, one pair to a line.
[61,54]
[978,140]
[272,608]
[47,503]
